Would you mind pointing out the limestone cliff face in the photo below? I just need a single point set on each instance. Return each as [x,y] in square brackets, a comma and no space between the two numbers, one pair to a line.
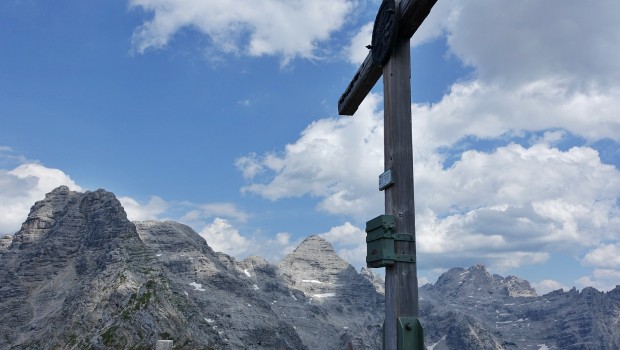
[5,242]
[336,292]
[315,269]
[79,275]
[476,280]
[68,271]
[472,309]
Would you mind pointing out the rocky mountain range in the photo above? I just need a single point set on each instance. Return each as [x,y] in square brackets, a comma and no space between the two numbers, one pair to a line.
[80,275]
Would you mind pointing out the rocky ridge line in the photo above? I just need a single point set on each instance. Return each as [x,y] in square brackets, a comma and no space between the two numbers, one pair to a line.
[79,275]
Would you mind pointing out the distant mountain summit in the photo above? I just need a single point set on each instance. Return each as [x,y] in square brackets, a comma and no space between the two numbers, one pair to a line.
[79,275]
[476,280]
[471,309]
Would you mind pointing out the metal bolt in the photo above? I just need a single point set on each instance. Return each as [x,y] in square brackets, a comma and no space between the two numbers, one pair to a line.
[408,326]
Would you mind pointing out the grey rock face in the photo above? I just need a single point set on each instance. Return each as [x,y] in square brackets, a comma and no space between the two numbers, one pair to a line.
[472,309]
[60,275]
[327,283]
[5,242]
[79,275]
[477,281]
[216,292]
[377,281]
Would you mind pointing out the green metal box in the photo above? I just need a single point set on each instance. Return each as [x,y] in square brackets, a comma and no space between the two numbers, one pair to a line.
[380,241]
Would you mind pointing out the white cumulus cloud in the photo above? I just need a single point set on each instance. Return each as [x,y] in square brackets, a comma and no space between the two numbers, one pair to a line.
[487,110]
[546,286]
[357,51]
[509,207]
[605,256]
[442,14]
[278,246]
[345,234]
[136,211]
[601,279]
[536,73]
[22,186]
[522,41]
[288,28]
[223,237]
[349,242]
[333,159]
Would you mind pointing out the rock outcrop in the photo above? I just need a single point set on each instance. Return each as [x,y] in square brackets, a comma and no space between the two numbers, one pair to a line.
[5,242]
[334,290]
[79,275]
[472,309]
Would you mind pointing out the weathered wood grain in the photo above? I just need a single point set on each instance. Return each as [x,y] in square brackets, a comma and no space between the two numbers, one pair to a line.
[401,280]
[359,87]
[412,14]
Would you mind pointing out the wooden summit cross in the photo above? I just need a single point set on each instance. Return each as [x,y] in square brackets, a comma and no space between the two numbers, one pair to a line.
[396,22]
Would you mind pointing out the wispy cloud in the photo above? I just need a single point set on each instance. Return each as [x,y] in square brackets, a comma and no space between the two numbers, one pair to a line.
[226,210]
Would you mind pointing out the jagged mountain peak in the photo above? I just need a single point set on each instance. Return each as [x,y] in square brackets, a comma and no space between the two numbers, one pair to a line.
[315,242]
[315,255]
[92,279]
[322,276]
[476,280]
[43,214]
[58,192]
[61,264]
[75,217]
[458,275]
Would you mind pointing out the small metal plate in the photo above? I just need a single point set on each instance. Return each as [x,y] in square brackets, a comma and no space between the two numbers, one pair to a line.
[384,33]
[386,180]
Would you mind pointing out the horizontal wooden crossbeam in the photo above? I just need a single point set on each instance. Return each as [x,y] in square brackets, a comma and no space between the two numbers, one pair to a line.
[412,14]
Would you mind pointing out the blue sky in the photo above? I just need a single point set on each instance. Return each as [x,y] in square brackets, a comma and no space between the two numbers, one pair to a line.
[223,116]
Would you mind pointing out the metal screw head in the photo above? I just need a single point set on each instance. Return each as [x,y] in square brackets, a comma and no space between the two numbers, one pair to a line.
[408,326]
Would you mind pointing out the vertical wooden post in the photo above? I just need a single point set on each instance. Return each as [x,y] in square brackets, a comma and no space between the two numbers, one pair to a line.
[401,280]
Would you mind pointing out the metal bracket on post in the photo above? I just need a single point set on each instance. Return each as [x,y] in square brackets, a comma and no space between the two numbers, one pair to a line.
[410,334]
